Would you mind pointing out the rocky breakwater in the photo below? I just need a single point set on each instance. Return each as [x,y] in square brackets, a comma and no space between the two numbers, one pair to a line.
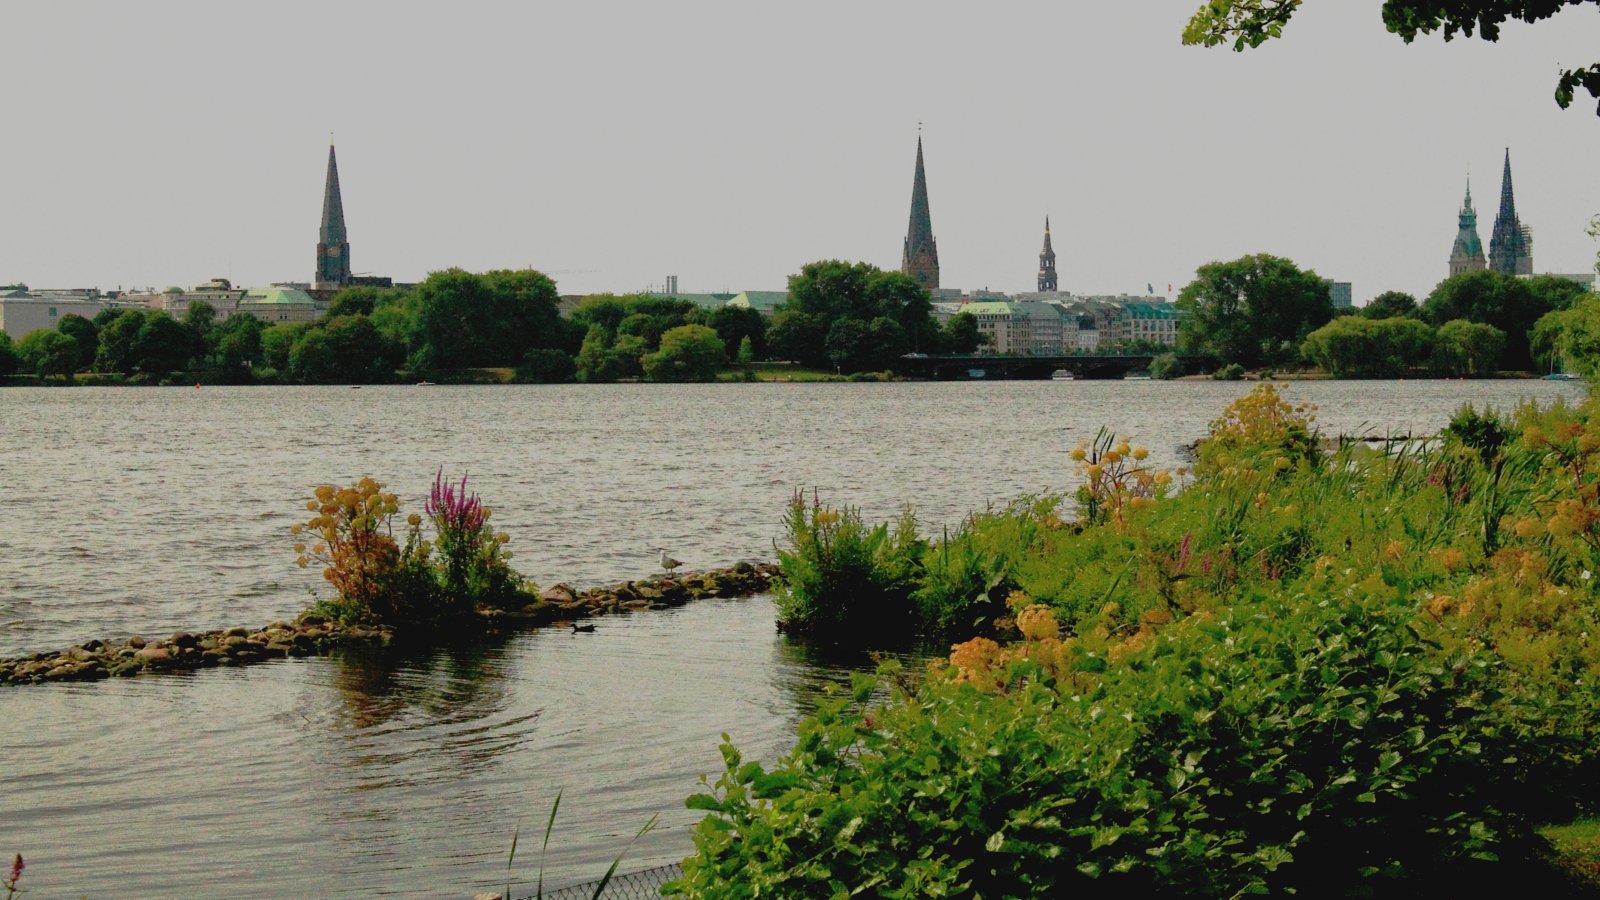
[562,602]
[186,650]
[313,634]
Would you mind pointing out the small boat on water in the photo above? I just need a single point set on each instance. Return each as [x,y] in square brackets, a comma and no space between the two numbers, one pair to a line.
[1062,375]
[425,383]
[1562,376]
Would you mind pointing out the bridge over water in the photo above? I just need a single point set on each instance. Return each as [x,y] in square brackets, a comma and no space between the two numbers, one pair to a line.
[1082,366]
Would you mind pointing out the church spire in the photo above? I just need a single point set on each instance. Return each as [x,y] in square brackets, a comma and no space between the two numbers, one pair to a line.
[1467,254]
[1047,261]
[333,243]
[920,258]
[1511,243]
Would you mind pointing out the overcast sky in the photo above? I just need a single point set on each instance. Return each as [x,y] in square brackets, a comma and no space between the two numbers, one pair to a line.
[613,144]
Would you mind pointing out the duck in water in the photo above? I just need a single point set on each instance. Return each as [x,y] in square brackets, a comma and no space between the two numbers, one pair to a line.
[583,628]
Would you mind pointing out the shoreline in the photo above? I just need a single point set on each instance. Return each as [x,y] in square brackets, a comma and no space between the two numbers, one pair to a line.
[313,634]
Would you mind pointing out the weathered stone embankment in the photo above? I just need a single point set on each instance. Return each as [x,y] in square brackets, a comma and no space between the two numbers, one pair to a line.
[311,634]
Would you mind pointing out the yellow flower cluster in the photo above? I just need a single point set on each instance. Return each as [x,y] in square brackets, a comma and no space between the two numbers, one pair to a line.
[1116,481]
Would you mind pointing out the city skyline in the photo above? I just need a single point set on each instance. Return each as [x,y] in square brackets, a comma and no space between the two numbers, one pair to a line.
[1338,147]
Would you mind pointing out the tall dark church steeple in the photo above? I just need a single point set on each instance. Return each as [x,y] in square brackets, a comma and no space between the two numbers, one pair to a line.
[921,257]
[1511,243]
[1047,261]
[333,243]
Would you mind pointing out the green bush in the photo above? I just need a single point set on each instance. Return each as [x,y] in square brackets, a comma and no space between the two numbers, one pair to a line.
[1355,673]
[1229,372]
[841,579]
[1165,367]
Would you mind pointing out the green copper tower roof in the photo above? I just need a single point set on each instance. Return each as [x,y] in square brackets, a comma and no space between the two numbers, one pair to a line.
[1467,246]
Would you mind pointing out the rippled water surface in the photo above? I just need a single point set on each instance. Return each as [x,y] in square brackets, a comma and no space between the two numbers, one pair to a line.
[150,510]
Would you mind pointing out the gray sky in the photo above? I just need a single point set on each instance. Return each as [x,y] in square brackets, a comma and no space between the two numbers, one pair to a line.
[612,144]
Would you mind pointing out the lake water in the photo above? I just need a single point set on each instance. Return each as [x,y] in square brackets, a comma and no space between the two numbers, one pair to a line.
[151,510]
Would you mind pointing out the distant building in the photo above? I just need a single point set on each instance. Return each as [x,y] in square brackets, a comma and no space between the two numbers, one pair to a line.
[1466,255]
[704,301]
[1511,243]
[24,312]
[764,302]
[1004,329]
[920,257]
[333,242]
[1047,262]
[1341,295]
[1587,279]
[1154,320]
[277,304]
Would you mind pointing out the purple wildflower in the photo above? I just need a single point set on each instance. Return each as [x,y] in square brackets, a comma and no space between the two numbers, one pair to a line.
[1183,554]
[16,873]
[451,505]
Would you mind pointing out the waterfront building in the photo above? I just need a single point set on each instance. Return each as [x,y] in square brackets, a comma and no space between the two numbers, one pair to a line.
[1467,253]
[1004,329]
[333,242]
[920,257]
[1150,320]
[1045,332]
[1342,295]
[1088,335]
[1511,242]
[1047,262]
[219,292]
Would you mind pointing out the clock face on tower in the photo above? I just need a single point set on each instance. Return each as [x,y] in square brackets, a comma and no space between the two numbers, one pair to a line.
[334,250]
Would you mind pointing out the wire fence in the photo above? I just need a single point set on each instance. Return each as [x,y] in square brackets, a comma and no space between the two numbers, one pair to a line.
[633,886]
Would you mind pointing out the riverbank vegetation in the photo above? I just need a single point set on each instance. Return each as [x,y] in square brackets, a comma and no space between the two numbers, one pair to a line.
[1337,672]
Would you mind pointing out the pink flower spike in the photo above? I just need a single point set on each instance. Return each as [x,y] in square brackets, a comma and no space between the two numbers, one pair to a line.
[16,870]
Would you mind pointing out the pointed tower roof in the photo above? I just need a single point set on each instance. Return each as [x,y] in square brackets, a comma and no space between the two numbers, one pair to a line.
[1047,248]
[332,231]
[921,256]
[1510,244]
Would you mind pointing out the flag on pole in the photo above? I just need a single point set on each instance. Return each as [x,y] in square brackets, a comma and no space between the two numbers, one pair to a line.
[1149,288]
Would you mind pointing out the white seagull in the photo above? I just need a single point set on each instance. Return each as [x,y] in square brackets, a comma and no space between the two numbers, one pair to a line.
[668,562]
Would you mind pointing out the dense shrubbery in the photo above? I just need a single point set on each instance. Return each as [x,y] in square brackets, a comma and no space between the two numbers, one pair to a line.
[841,576]
[1327,672]
[422,582]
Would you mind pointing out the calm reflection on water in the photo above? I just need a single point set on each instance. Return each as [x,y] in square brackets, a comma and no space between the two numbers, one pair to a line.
[402,772]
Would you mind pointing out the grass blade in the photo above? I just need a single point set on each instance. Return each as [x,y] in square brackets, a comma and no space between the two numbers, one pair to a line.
[601,887]
[548,827]
[515,832]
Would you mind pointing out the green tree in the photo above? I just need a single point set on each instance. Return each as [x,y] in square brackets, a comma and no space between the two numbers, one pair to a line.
[163,345]
[688,353]
[747,351]
[960,334]
[1256,310]
[85,333]
[1249,23]
[312,359]
[118,333]
[48,352]
[9,361]
[237,346]
[466,320]
[1569,339]
[361,300]
[595,363]
[808,328]
[277,342]
[1390,305]
[1467,348]
[1491,298]
[736,324]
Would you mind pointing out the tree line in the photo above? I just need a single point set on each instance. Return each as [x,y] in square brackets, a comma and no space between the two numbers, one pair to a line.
[849,317]
[1263,311]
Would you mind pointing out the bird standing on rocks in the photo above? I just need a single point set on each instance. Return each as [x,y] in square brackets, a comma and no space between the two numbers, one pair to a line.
[668,562]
